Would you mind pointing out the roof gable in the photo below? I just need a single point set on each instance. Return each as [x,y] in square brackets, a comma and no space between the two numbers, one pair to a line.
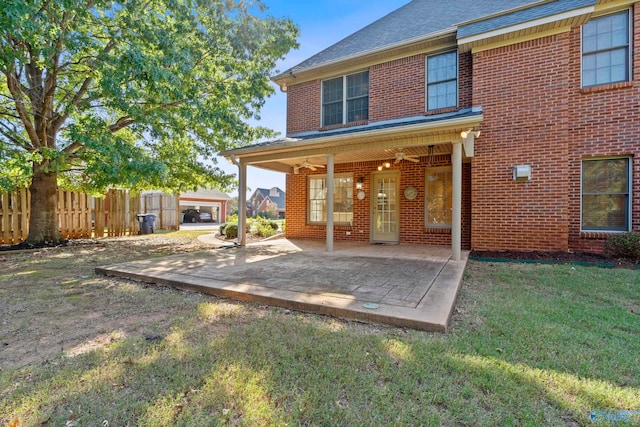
[268,193]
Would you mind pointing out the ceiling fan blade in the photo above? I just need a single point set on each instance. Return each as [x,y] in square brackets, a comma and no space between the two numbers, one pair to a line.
[412,159]
[311,167]
[398,160]
[319,166]
[296,169]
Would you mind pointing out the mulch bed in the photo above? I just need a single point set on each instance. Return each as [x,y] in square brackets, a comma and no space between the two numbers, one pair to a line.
[73,242]
[579,258]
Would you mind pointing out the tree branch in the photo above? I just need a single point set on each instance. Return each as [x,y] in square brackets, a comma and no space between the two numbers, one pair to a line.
[121,123]
[14,87]
[75,146]
[16,141]
[59,119]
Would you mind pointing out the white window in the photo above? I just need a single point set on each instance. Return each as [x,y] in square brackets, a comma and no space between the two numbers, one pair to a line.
[438,197]
[342,199]
[345,99]
[605,50]
[442,80]
[606,194]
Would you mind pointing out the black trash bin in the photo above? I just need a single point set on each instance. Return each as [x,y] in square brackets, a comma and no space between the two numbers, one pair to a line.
[147,223]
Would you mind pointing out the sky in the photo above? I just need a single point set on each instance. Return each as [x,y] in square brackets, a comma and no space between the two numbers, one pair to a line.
[321,23]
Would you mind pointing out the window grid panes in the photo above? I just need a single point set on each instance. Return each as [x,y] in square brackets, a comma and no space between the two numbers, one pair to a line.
[438,194]
[342,199]
[605,194]
[347,93]
[605,50]
[442,81]
[358,97]
[332,102]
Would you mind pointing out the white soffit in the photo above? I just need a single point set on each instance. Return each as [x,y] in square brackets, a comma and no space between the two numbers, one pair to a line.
[565,19]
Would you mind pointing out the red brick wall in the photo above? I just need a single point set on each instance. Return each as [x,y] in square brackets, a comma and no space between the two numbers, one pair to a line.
[604,121]
[303,107]
[412,212]
[465,80]
[536,113]
[523,90]
[396,90]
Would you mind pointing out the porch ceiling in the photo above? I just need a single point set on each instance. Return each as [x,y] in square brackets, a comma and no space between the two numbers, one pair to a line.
[376,154]
[356,147]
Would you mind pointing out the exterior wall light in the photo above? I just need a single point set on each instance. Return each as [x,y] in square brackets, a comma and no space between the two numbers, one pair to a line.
[465,133]
[359,183]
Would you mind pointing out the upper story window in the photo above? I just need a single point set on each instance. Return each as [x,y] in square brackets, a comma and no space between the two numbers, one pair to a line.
[605,50]
[442,80]
[345,99]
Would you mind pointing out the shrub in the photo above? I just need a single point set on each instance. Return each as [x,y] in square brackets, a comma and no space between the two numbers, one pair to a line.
[253,227]
[222,227]
[266,231]
[624,245]
[231,231]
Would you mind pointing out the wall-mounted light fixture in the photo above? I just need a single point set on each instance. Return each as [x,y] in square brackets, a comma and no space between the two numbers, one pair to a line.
[465,133]
[359,183]
[384,165]
[468,141]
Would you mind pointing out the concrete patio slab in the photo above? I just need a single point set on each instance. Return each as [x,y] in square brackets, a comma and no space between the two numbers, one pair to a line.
[411,286]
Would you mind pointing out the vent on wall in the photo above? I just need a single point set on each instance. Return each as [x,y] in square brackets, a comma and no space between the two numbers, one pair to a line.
[522,173]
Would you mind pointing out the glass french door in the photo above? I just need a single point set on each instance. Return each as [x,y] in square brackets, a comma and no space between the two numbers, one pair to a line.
[385,210]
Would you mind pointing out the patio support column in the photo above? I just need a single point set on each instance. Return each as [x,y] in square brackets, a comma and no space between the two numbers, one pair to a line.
[330,202]
[456,216]
[242,201]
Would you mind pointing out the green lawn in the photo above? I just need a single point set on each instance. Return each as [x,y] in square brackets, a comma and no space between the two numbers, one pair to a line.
[530,345]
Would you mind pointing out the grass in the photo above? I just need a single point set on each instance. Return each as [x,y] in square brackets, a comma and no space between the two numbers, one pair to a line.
[530,345]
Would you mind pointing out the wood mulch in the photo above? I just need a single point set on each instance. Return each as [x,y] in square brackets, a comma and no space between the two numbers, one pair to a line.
[581,258]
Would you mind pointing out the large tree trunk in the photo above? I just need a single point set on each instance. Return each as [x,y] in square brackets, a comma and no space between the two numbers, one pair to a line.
[43,222]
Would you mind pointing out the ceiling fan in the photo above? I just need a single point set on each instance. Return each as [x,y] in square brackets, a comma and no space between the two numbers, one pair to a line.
[306,164]
[400,156]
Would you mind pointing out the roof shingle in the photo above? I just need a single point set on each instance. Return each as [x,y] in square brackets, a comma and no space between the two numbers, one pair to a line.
[416,19]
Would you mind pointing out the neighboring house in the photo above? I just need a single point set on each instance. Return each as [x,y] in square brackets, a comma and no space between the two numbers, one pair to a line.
[206,200]
[271,201]
[488,124]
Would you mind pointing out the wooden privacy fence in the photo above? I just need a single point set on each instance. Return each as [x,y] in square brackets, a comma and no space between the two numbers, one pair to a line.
[82,216]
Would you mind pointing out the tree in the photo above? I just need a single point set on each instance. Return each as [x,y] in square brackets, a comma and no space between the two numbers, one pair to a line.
[137,94]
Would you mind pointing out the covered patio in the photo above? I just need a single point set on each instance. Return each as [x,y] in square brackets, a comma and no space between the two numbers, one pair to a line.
[389,143]
[404,285]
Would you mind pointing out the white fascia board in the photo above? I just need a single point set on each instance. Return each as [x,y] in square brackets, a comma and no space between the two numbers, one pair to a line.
[526,25]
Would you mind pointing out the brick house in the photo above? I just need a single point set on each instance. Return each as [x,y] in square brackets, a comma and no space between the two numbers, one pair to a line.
[491,125]
[270,200]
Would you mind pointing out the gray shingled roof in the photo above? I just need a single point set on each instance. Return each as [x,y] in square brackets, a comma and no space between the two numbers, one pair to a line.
[526,15]
[416,19]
